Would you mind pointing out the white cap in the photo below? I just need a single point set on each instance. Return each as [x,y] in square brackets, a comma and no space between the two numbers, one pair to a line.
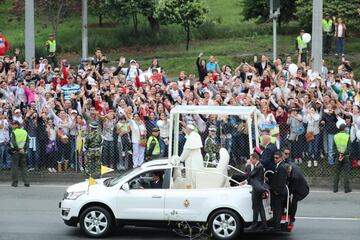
[91,81]
[132,61]
[292,83]
[17,110]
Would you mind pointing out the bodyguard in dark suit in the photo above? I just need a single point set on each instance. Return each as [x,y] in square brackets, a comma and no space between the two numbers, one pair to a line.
[256,180]
[157,181]
[298,187]
[240,177]
[267,155]
[278,189]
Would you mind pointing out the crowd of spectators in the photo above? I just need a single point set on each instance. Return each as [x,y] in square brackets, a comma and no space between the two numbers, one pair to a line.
[55,104]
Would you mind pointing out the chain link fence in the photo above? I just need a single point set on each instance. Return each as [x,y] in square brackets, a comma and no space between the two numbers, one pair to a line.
[52,152]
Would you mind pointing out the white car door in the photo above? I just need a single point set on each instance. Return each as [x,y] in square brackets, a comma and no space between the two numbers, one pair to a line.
[185,204]
[143,202]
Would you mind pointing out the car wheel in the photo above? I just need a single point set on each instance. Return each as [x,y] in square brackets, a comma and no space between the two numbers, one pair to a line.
[225,224]
[96,222]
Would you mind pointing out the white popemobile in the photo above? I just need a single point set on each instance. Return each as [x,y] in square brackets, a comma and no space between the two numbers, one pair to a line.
[133,199]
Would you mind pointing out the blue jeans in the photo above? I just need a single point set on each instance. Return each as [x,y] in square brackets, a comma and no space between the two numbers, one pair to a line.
[4,157]
[313,148]
[329,147]
[340,45]
[163,148]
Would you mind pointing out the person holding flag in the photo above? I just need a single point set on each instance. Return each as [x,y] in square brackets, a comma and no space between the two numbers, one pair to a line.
[93,142]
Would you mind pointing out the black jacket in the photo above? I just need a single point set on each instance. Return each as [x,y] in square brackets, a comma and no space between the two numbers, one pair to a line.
[297,183]
[278,183]
[157,185]
[201,70]
[330,123]
[267,157]
[259,67]
[256,178]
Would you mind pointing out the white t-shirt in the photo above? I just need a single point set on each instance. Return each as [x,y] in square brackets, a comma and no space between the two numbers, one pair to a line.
[136,130]
[340,30]
[4,132]
[164,128]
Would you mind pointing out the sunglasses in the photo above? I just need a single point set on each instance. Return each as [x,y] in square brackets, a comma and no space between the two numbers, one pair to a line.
[287,153]
[277,157]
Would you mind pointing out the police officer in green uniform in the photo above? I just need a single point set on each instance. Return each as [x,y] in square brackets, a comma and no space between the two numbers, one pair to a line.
[93,142]
[328,32]
[51,50]
[342,143]
[301,47]
[211,147]
[18,146]
[153,145]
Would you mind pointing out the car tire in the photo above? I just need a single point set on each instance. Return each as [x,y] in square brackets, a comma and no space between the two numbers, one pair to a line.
[225,224]
[96,222]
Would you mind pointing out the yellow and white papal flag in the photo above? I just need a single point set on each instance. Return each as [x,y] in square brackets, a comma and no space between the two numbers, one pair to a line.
[91,181]
[105,169]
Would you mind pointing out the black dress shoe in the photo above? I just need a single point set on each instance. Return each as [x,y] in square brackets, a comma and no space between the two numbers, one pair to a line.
[347,191]
[251,227]
[27,185]
[263,227]
[335,190]
[14,184]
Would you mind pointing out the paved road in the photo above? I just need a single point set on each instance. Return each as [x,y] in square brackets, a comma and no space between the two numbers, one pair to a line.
[32,213]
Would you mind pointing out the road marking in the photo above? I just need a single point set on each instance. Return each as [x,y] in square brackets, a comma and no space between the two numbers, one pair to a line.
[329,218]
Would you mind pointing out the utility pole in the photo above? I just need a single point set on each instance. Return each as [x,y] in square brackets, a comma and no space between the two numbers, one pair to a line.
[29,31]
[317,38]
[84,28]
[274,13]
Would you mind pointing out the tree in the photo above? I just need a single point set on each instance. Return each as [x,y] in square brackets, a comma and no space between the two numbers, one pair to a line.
[260,9]
[52,11]
[101,9]
[332,7]
[187,13]
[131,9]
[55,12]
[148,8]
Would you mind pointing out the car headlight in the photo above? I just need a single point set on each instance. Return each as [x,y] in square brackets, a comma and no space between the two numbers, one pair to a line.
[73,195]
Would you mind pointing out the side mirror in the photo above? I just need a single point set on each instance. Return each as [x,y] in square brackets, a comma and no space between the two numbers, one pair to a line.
[125,187]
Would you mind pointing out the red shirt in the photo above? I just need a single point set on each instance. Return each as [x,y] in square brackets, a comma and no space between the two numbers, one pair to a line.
[4,45]
[266,82]
[283,126]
